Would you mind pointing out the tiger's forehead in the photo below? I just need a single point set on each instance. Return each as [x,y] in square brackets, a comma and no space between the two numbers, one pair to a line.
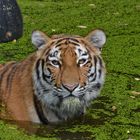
[66,43]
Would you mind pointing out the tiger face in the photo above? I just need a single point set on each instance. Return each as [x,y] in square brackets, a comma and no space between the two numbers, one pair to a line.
[68,74]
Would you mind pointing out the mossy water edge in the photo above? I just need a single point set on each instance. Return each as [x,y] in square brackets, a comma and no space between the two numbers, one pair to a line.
[115,114]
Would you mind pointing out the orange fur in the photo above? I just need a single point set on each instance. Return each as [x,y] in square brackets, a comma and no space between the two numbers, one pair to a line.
[16,91]
[16,78]
[16,88]
[1,66]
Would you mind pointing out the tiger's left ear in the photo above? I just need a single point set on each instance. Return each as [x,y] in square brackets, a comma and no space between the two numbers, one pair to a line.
[39,39]
[97,38]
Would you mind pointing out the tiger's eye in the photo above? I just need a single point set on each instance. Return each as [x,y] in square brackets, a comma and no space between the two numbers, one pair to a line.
[55,62]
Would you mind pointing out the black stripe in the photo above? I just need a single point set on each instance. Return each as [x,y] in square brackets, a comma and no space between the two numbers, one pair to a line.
[10,77]
[96,86]
[101,65]
[95,62]
[38,73]
[39,110]
[74,43]
[38,63]
[75,40]
[42,62]
[68,40]
[84,54]
[37,68]
[44,76]
[46,53]
[92,74]
[4,70]
[100,73]
[52,80]
[60,40]
[51,43]
[54,54]
[100,61]
[58,45]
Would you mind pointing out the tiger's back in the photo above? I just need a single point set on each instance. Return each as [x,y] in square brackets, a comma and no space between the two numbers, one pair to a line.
[55,83]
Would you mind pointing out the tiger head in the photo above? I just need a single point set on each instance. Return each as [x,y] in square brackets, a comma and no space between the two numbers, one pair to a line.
[68,73]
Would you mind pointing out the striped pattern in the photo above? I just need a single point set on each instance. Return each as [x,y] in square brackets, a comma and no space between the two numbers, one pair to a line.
[51,93]
[56,83]
[7,74]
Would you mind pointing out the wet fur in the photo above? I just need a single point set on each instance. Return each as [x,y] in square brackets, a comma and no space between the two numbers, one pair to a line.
[21,81]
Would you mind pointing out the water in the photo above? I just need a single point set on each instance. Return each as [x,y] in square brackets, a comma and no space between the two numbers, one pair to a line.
[81,128]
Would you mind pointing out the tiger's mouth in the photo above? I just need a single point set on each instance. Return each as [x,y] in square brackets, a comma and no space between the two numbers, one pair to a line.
[62,93]
[72,95]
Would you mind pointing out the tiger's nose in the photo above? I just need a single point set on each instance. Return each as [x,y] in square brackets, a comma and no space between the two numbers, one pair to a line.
[70,87]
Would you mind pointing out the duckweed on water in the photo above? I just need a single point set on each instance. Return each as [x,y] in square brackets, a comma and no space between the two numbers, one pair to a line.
[115,115]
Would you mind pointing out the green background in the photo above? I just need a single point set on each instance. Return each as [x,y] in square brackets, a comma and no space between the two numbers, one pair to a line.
[115,115]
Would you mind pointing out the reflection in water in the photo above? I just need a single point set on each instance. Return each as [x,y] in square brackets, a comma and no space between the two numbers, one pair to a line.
[75,129]
[52,130]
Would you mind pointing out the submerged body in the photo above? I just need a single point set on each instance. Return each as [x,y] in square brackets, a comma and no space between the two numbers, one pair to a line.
[55,83]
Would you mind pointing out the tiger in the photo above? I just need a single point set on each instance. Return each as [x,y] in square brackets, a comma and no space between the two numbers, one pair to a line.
[55,83]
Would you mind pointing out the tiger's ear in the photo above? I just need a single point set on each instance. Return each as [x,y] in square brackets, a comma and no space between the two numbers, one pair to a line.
[39,39]
[97,38]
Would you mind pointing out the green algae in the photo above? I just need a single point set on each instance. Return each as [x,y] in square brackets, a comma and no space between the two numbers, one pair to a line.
[115,114]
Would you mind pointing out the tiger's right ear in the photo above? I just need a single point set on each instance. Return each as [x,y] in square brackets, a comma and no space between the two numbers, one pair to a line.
[39,39]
